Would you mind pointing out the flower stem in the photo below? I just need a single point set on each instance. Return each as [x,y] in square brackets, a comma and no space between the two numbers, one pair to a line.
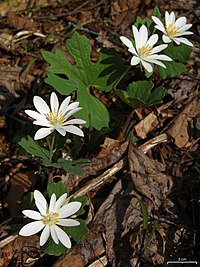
[51,146]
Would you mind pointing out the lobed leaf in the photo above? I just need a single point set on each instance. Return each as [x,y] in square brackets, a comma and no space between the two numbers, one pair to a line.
[141,93]
[57,188]
[84,75]
[68,165]
[173,69]
[33,148]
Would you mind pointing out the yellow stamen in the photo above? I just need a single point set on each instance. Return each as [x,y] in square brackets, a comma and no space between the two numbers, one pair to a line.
[56,118]
[145,50]
[51,218]
[172,30]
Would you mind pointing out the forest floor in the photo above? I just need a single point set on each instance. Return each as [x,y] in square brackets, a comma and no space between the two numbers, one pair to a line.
[168,175]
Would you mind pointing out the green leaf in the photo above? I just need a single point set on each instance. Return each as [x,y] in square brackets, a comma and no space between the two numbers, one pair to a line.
[33,148]
[67,165]
[83,200]
[139,22]
[141,93]
[156,12]
[52,248]
[145,214]
[28,202]
[83,76]
[57,188]
[173,69]
[179,53]
[77,232]
[113,66]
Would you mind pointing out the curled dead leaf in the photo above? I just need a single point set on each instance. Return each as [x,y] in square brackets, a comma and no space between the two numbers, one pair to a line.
[148,176]
[180,130]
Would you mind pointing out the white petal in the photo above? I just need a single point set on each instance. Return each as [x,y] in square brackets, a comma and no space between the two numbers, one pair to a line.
[45,235]
[133,51]
[43,132]
[176,40]
[155,61]
[74,130]
[41,105]
[71,106]
[52,203]
[126,41]
[182,40]
[42,123]
[68,222]
[147,66]
[40,202]
[185,27]
[158,48]
[35,115]
[60,202]
[32,214]
[54,102]
[74,121]
[31,228]
[64,104]
[161,29]
[180,22]
[159,23]
[143,35]
[69,209]
[164,57]
[53,234]
[158,57]
[63,237]
[167,18]
[160,64]
[183,33]
[153,40]
[166,39]
[136,37]
[172,18]
[61,130]
[71,112]
[135,60]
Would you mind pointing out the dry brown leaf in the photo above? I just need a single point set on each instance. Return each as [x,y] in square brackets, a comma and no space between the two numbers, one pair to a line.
[146,125]
[6,41]
[108,145]
[22,22]
[16,251]
[148,176]
[22,5]
[86,251]
[180,129]
[156,118]
[11,82]
[97,164]
[20,183]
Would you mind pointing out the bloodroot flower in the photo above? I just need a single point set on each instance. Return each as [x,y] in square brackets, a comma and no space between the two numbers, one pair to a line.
[144,50]
[56,117]
[49,217]
[173,29]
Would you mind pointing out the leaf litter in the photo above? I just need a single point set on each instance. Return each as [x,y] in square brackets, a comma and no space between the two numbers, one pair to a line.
[163,174]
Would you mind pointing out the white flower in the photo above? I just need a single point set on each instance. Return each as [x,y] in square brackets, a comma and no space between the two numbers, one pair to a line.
[173,29]
[144,51]
[55,118]
[48,219]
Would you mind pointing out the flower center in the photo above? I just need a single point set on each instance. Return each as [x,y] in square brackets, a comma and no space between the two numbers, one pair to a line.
[51,218]
[172,30]
[55,118]
[145,50]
